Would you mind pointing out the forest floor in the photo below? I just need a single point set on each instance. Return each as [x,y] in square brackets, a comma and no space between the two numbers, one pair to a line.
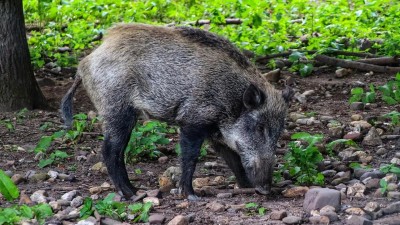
[329,98]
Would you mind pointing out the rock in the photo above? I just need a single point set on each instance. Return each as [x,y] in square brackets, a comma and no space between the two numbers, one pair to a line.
[295,116]
[336,132]
[357,106]
[98,166]
[391,209]
[358,172]
[163,159]
[358,220]
[17,179]
[381,151]
[372,138]
[215,206]
[272,76]
[95,190]
[364,125]
[319,220]
[331,215]
[393,194]
[294,192]
[23,199]
[327,208]
[109,221]
[166,183]
[292,220]
[353,135]
[356,117]
[317,198]
[224,195]
[372,207]
[395,161]
[347,155]
[210,165]
[39,177]
[156,218]
[372,183]
[219,180]
[373,174]
[155,201]
[55,206]
[278,215]
[174,173]
[39,196]
[183,205]
[355,211]
[77,201]
[69,195]
[356,190]
[342,72]
[66,177]
[52,174]
[308,121]
[201,182]
[179,220]
[392,187]
[154,193]
[89,221]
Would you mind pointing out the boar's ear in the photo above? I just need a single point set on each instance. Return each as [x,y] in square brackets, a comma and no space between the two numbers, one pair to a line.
[253,97]
[288,94]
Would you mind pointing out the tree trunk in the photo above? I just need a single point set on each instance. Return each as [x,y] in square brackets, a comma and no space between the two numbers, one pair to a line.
[18,87]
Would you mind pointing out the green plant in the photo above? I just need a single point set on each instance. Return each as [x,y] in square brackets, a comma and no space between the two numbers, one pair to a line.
[141,211]
[116,210]
[81,123]
[8,124]
[302,159]
[15,214]
[145,139]
[110,208]
[45,126]
[54,157]
[346,142]
[304,69]
[359,95]
[391,91]
[253,208]
[7,187]
[384,185]
[394,116]
[391,168]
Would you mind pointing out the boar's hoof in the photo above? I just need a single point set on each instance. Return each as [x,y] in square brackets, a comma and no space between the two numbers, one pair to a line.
[262,191]
[193,198]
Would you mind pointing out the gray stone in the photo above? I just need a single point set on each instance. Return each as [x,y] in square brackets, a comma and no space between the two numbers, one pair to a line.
[154,193]
[372,207]
[17,179]
[69,195]
[357,106]
[317,198]
[392,208]
[38,177]
[155,201]
[52,174]
[358,220]
[89,221]
[278,215]
[373,174]
[292,220]
[393,194]
[358,172]
[156,218]
[331,215]
[319,220]
[163,159]
[77,201]
[381,151]
[179,220]
[392,187]
[215,206]
[109,221]
[372,184]
[295,116]
[39,196]
[224,195]
[372,138]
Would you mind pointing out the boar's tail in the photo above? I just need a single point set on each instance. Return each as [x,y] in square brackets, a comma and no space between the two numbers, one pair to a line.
[66,103]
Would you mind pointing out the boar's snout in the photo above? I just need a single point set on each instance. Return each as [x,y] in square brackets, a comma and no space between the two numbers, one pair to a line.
[260,174]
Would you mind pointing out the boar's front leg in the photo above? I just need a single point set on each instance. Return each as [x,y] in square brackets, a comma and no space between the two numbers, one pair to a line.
[191,139]
[118,125]
[234,162]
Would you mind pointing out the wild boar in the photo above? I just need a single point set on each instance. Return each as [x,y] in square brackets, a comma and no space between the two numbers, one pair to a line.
[187,77]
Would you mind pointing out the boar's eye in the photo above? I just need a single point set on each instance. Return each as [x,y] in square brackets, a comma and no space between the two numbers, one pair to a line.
[260,129]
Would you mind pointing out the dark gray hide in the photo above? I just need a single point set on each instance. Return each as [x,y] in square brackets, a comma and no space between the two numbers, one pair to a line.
[191,78]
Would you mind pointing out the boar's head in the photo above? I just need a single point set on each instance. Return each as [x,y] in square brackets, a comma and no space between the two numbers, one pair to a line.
[254,135]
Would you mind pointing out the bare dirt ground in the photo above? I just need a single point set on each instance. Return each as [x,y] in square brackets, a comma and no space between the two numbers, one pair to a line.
[334,103]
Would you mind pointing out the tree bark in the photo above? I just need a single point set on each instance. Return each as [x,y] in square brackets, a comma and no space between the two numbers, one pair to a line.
[18,87]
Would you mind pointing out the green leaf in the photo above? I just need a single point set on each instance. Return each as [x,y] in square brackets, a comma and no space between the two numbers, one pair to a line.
[7,188]
[261,211]
[306,69]
[61,154]
[87,209]
[135,207]
[251,205]
[45,162]
[26,211]
[295,56]
[389,100]
[44,144]
[257,20]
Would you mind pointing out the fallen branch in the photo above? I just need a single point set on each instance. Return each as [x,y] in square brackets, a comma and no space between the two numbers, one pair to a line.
[355,65]
[265,59]
[382,61]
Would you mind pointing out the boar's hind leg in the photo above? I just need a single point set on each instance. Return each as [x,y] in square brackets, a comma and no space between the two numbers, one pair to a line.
[118,126]
[191,139]
[234,162]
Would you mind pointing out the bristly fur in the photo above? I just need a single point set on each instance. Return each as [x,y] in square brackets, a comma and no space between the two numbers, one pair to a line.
[190,78]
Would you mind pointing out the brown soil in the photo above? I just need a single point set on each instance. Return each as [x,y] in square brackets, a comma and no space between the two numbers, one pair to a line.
[27,134]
